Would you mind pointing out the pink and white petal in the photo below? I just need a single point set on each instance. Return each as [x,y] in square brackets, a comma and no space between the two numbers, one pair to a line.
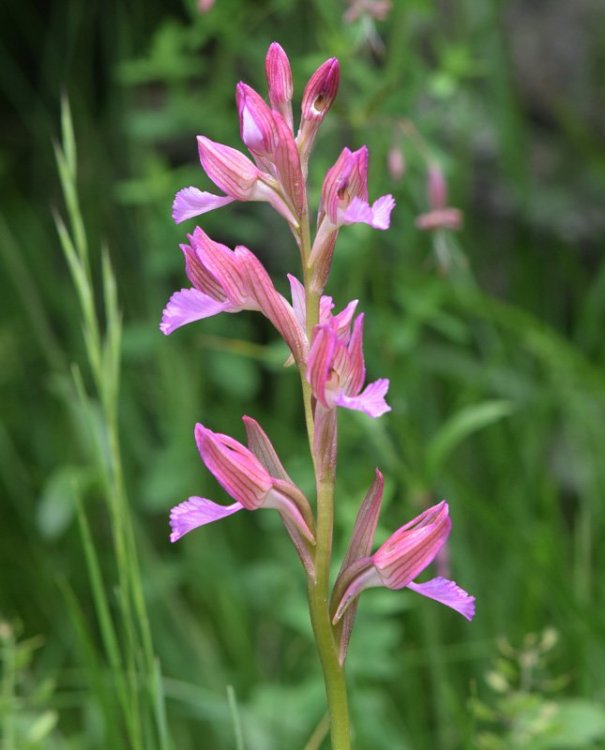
[297,292]
[196,512]
[357,212]
[353,376]
[381,210]
[342,321]
[370,401]
[326,305]
[189,305]
[449,593]
[378,215]
[190,202]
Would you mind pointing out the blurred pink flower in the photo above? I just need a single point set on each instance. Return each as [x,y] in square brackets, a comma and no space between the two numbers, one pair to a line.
[396,162]
[378,9]
[440,215]
[204,6]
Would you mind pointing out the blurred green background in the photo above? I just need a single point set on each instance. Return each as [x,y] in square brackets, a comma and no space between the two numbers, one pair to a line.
[492,338]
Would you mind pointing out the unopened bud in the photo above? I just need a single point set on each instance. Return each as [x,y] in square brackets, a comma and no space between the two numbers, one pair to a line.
[321,90]
[279,80]
[318,97]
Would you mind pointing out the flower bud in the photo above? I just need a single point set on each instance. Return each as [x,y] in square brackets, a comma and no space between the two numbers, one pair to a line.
[279,80]
[318,97]
[321,90]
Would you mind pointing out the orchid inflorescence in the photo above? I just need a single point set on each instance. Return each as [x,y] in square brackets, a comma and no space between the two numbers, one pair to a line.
[326,347]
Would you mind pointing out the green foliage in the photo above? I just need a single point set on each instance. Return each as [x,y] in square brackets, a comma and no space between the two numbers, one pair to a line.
[525,710]
[492,340]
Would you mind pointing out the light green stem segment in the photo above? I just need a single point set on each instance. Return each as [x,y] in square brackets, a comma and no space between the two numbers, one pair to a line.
[318,587]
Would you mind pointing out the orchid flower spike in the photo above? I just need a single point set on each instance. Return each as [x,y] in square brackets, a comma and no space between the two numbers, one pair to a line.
[227,280]
[403,556]
[248,479]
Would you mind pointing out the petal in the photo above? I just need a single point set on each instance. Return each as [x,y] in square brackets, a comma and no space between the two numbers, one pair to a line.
[195,512]
[299,305]
[370,401]
[448,593]
[358,180]
[190,202]
[234,467]
[353,372]
[320,360]
[229,169]
[381,210]
[359,546]
[271,303]
[341,322]
[189,305]
[257,129]
[378,215]
[262,447]
[413,547]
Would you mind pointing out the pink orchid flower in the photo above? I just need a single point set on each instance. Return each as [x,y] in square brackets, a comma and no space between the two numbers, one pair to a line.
[344,200]
[246,478]
[237,176]
[227,280]
[336,371]
[403,556]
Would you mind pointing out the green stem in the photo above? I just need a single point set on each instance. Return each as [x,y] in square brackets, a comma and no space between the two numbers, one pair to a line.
[318,587]
[318,592]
